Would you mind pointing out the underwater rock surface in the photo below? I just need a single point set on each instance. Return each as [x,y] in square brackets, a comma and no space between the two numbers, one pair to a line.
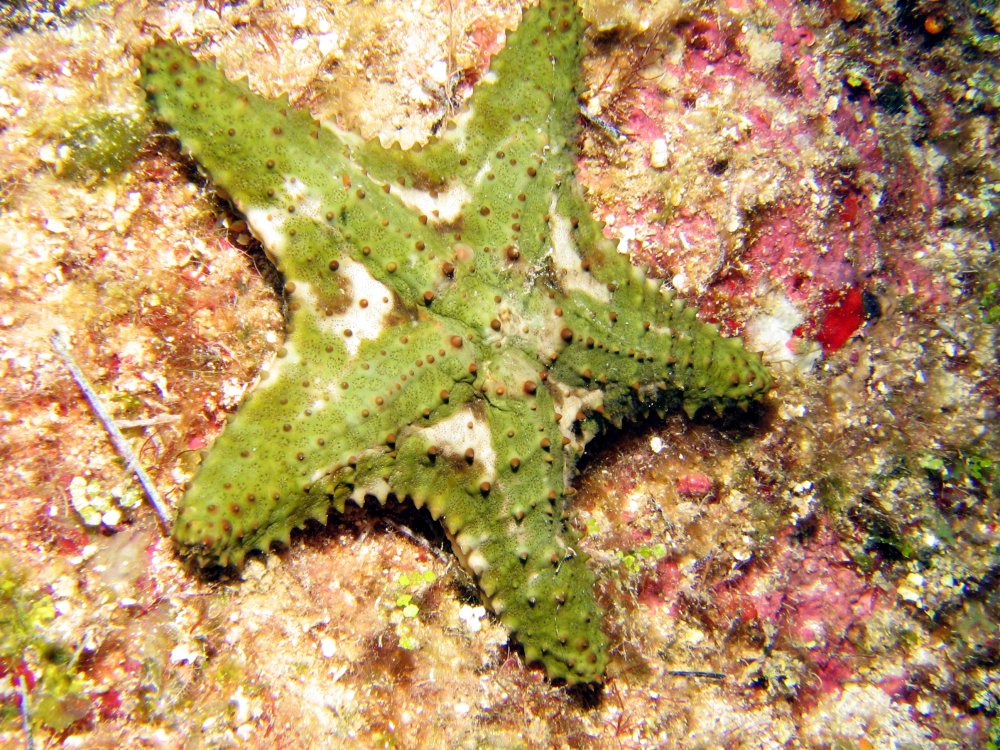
[778,164]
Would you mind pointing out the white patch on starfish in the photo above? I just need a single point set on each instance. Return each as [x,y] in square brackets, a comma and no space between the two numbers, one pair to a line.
[268,226]
[458,133]
[467,549]
[472,558]
[477,563]
[362,322]
[458,433]
[274,373]
[566,257]
[442,207]
[348,137]
[575,400]
[484,170]
[306,202]
[517,330]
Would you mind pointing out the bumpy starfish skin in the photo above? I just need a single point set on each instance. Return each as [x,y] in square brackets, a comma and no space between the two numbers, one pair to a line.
[459,328]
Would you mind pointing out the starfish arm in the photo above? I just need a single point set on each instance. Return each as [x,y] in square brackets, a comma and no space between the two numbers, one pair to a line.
[653,352]
[488,182]
[293,178]
[628,336]
[687,365]
[494,473]
[528,96]
[326,404]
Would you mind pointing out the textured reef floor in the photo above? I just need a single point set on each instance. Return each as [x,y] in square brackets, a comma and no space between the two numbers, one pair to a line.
[820,178]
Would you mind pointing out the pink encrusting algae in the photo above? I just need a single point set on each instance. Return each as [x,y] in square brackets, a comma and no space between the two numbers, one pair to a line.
[802,199]
[813,599]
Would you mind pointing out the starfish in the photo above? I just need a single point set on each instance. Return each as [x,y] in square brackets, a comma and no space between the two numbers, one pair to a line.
[458,329]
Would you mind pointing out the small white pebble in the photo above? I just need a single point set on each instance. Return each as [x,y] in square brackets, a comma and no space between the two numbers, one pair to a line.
[181,654]
[47,154]
[659,154]
[742,555]
[328,43]
[242,705]
[438,72]
[625,236]
[56,227]
[792,411]
[472,617]
[694,636]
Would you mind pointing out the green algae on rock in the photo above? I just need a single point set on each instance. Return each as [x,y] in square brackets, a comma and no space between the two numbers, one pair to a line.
[35,657]
[99,145]
[459,329]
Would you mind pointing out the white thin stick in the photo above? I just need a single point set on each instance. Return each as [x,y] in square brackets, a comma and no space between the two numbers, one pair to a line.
[121,444]
[124,424]
[29,740]
[405,531]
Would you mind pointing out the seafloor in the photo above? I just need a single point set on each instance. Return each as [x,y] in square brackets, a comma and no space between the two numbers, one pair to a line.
[820,177]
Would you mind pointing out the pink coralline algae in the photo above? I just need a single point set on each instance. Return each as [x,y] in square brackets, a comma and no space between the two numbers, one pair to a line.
[809,593]
[695,484]
[818,212]
[661,589]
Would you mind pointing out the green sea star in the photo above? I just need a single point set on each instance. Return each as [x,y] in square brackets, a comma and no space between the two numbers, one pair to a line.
[459,329]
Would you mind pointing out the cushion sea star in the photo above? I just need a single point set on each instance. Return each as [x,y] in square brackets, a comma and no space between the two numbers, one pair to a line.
[459,329]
